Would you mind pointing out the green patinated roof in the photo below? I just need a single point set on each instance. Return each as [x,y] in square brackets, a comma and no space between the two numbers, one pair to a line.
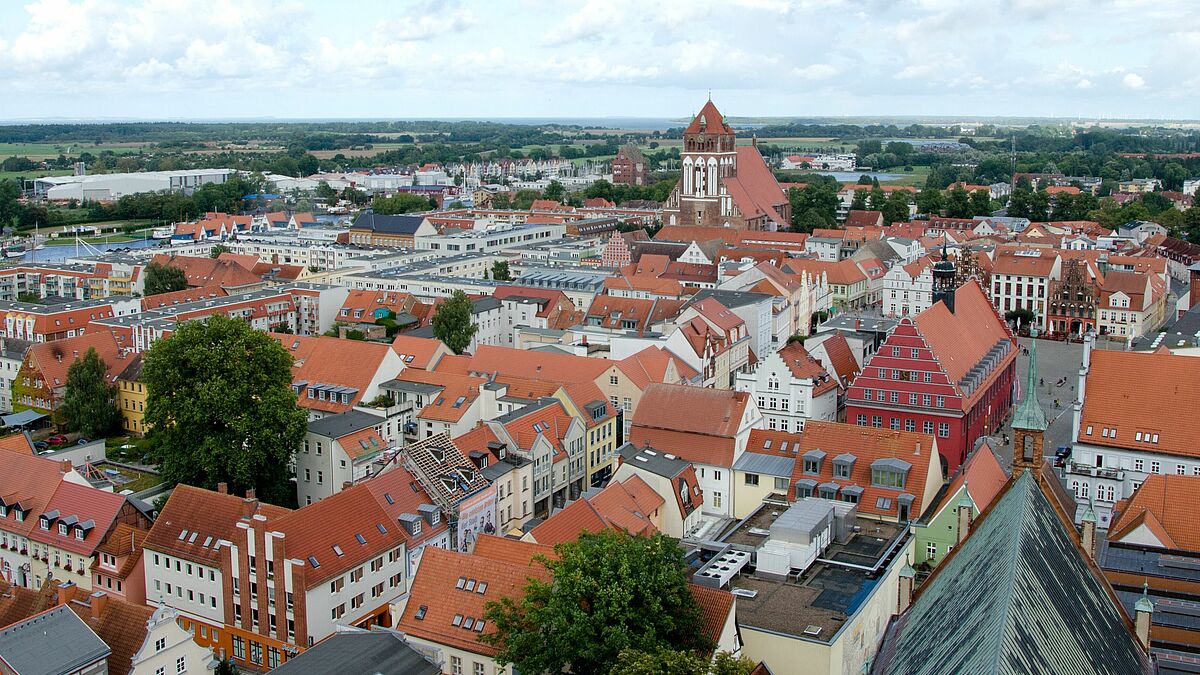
[1029,414]
[1016,597]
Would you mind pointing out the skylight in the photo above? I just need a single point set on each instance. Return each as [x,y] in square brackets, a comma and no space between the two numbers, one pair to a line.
[361,539]
[338,550]
[388,497]
[312,560]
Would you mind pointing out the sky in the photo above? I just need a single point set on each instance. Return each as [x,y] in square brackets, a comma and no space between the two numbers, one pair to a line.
[210,59]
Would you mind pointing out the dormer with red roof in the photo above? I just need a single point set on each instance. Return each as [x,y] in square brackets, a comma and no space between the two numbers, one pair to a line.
[712,339]
[546,434]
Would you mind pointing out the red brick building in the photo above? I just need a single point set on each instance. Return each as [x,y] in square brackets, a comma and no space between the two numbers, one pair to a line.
[722,185]
[947,372]
[629,166]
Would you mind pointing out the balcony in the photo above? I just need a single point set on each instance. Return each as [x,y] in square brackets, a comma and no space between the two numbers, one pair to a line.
[1096,471]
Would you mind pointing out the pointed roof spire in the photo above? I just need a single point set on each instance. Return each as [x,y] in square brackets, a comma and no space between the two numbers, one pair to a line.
[1144,604]
[1029,414]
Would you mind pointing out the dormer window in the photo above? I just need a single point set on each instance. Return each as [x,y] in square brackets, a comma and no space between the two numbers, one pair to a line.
[79,533]
[44,523]
[62,529]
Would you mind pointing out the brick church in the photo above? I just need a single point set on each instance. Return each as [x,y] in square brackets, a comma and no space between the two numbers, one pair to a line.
[723,185]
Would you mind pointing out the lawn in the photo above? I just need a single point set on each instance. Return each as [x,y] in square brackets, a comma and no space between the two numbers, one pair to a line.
[30,175]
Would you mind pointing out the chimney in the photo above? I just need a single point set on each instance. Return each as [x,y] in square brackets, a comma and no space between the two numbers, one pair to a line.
[857,324]
[908,578]
[223,488]
[1194,297]
[1143,610]
[250,495]
[965,512]
[66,466]
[99,602]
[1088,532]
[65,591]
[249,504]
[347,484]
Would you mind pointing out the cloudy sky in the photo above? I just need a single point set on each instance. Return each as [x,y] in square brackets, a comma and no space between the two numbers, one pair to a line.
[203,59]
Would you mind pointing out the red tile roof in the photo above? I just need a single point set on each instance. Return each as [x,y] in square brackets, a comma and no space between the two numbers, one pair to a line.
[201,272]
[458,393]
[337,362]
[1123,386]
[689,233]
[612,311]
[754,189]
[864,219]
[206,514]
[623,506]
[308,533]
[53,359]
[960,339]
[868,445]
[425,352]
[28,481]
[709,120]
[1166,504]
[695,423]
[983,476]
[121,625]
[78,505]
[652,364]
[841,358]
[180,297]
[536,365]
[18,443]
[803,366]
[439,592]
[715,607]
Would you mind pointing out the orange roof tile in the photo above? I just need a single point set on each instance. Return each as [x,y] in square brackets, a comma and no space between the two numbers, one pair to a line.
[440,594]
[74,504]
[337,362]
[27,481]
[180,297]
[868,445]
[211,516]
[18,443]
[689,234]
[695,423]
[1166,504]
[961,338]
[715,607]
[1118,398]
[455,399]
[425,352]
[53,359]
[983,476]
[536,365]
[803,366]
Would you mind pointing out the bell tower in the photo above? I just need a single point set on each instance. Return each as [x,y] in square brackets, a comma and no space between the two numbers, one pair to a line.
[709,156]
[944,276]
[1029,422]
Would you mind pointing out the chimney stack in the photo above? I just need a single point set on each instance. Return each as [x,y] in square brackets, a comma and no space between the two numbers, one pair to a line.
[99,602]
[250,494]
[66,466]
[223,488]
[908,578]
[1143,610]
[966,514]
[64,591]
[347,484]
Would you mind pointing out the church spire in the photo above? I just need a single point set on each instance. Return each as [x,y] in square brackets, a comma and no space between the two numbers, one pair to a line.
[1029,414]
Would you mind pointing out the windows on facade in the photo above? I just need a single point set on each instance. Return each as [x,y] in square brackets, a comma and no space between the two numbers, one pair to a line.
[894,396]
[751,479]
[862,420]
[943,430]
[781,484]
[877,421]
[930,551]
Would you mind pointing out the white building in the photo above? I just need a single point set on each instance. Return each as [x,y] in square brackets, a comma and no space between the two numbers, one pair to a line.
[790,387]
[111,186]
[1021,280]
[908,289]
[168,648]
[1136,417]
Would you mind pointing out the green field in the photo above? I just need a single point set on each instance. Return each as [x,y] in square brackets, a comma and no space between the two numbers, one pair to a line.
[30,175]
[36,151]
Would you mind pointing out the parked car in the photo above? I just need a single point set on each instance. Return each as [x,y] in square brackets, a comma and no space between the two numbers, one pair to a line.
[82,441]
[41,445]
[57,439]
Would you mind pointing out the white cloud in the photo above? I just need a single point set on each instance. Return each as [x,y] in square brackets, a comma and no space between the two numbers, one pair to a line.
[1083,84]
[594,19]
[816,71]
[1133,81]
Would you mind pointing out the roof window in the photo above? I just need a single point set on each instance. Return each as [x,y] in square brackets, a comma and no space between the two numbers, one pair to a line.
[338,550]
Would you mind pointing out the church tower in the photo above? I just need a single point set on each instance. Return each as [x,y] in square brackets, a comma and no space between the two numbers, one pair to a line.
[709,156]
[944,280]
[1029,422]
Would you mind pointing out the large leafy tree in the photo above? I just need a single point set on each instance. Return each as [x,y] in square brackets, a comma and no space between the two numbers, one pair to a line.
[453,324]
[500,271]
[163,279]
[671,662]
[402,202]
[89,403]
[220,407]
[607,592]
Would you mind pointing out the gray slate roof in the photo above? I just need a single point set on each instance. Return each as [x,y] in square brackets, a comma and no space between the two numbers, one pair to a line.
[771,465]
[388,224]
[359,653]
[336,426]
[55,641]
[1016,598]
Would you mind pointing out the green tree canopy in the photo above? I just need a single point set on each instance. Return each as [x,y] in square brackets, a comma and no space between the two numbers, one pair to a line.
[216,251]
[89,402]
[555,191]
[401,202]
[672,662]
[453,324]
[163,279]
[610,592]
[220,407]
[500,271]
